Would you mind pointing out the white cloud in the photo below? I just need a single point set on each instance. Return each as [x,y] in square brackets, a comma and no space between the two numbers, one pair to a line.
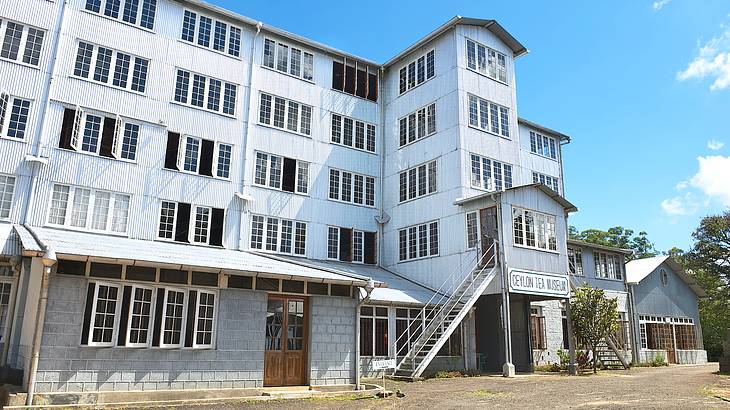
[659,4]
[681,185]
[715,145]
[680,205]
[712,61]
[713,178]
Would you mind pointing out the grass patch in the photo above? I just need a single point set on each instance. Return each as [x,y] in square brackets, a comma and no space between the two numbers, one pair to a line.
[344,397]
[452,374]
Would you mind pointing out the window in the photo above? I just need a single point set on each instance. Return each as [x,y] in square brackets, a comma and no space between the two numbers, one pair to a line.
[197,29]
[88,209]
[608,266]
[417,71]
[550,182]
[287,114]
[472,230]
[489,174]
[289,60]
[537,329]
[566,335]
[353,133]
[355,78]
[282,173]
[172,318]
[418,181]
[6,287]
[204,319]
[111,67]
[349,187]
[373,331]
[350,245]
[278,235]
[417,125]
[203,92]
[542,145]
[183,222]
[534,229]
[486,61]
[488,116]
[13,116]
[7,189]
[418,241]
[663,277]
[21,43]
[92,133]
[127,11]
[575,261]
[140,317]
[105,315]
[198,156]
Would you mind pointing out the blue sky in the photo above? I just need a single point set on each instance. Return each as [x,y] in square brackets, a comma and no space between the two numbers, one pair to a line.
[642,86]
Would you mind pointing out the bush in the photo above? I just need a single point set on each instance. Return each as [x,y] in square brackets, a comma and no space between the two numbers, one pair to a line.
[450,374]
[658,361]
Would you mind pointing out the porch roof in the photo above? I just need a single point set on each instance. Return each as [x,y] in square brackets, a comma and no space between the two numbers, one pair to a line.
[569,207]
[9,242]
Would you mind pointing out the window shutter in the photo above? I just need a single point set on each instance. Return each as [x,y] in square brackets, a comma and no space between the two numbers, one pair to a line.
[107,137]
[173,145]
[4,99]
[67,128]
[190,324]
[206,158]
[159,307]
[75,138]
[217,221]
[370,248]
[338,75]
[346,244]
[124,319]
[373,87]
[289,175]
[350,78]
[182,224]
[180,161]
[87,313]
[117,140]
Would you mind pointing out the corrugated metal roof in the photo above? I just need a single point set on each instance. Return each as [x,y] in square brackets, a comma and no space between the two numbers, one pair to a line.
[28,243]
[180,256]
[601,247]
[638,269]
[544,129]
[569,207]
[9,242]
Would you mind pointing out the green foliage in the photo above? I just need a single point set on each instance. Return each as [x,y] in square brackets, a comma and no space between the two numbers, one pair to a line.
[658,361]
[617,237]
[594,317]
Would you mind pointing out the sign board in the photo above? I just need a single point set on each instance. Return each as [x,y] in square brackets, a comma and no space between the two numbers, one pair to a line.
[384,364]
[536,283]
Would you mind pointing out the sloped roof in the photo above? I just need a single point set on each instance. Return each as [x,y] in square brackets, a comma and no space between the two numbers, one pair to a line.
[600,247]
[544,129]
[569,207]
[9,243]
[638,269]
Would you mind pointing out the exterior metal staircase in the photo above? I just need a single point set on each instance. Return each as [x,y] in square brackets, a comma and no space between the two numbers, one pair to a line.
[444,313]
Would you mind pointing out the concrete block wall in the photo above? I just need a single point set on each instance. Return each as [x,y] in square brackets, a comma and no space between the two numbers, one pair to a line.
[552,310]
[236,362]
[332,346]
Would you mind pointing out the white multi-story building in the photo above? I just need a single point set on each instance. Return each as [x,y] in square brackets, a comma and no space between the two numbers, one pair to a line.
[210,202]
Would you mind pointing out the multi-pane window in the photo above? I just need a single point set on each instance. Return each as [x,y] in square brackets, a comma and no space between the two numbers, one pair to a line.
[93,133]
[538,330]
[547,180]
[418,124]
[575,261]
[6,287]
[201,227]
[105,312]
[140,317]
[200,91]
[472,229]
[490,174]
[209,33]
[534,229]
[353,133]
[7,189]
[198,156]
[542,145]
[136,12]
[374,331]
[287,114]
[288,59]
[418,241]
[488,116]
[417,72]
[418,181]
[486,61]
[172,317]
[608,266]
[354,78]
[351,245]
[204,319]
[88,209]
[278,235]
[223,167]
[20,42]
[183,222]
[111,67]
[166,228]
[277,172]
[14,114]
[350,187]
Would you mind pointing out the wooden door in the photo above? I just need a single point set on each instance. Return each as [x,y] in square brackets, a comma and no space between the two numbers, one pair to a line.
[489,229]
[286,340]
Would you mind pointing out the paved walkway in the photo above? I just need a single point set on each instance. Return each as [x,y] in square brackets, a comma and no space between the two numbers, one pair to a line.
[675,387]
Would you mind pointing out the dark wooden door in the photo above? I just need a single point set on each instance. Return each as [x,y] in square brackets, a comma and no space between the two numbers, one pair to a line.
[489,229]
[286,341]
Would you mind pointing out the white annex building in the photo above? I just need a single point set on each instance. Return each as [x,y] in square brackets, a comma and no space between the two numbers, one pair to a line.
[191,199]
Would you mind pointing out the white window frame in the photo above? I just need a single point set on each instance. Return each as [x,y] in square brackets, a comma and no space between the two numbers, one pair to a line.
[217,159]
[117,314]
[214,318]
[417,182]
[414,61]
[150,327]
[23,42]
[547,180]
[535,215]
[267,173]
[374,318]
[112,67]
[287,112]
[478,229]
[492,183]
[174,221]
[426,109]
[138,20]
[89,213]
[489,104]
[290,48]
[340,184]
[486,71]
[5,117]
[77,134]
[540,142]
[573,258]
[366,126]
[336,239]
[12,185]
[206,93]
[279,235]
[186,295]
[193,221]
[182,154]
[418,256]
[196,34]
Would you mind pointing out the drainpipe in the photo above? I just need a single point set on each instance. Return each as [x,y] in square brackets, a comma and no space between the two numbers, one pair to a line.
[381,97]
[634,325]
[244,145]
[48,259]
[368,290]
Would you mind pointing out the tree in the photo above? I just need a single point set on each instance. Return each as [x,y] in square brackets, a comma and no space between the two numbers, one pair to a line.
[617,237]
[594,317]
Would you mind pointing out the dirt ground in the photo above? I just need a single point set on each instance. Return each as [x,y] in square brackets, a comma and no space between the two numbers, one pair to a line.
[675,387]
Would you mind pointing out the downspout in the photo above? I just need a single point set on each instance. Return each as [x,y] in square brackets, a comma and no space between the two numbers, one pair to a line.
[244,144]
[634,325]
[46,102]
[368,290]
[381,97]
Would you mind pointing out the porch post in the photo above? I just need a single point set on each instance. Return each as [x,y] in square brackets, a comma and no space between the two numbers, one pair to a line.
[572,366]
[508,369]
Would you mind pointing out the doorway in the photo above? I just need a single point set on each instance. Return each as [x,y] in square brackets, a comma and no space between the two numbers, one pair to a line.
[285,357]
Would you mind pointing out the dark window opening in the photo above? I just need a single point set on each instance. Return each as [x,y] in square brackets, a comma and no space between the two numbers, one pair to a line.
[217,221]
[338,76]
[173,144]
[292,286]
[67,128]
[182,224]
[373,87]
[346,244]
[206,158]
[107,138]
[267,284]
[69,267]
[340,290]
[174,276]
[141,273]
[370,248]
[240,282]
[105,270]
[362,83]
[204,279]
[315,288]
[350,79]
[289,175]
